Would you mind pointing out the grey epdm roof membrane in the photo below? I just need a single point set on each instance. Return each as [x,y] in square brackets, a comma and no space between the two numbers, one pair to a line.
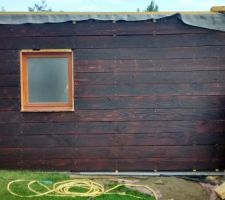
[208,20]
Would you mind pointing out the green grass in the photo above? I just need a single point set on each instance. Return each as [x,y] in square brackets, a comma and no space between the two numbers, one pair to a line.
[48,178]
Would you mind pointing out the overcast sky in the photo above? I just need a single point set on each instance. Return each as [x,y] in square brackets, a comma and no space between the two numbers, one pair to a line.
[113,5]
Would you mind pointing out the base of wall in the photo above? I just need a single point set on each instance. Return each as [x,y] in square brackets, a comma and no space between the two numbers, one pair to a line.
[163,173]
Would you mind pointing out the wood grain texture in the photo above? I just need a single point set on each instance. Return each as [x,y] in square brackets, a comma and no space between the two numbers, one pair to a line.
[107,140]
[208,89]
[153,89]
[151,53]
[33,42]
[200,128]
[9,66]
[133,102]
[148,96]
[151,101]
[150,41]
[121,78]
[113,164]
[106,42]
[151,114]
[119,152]
[153,65]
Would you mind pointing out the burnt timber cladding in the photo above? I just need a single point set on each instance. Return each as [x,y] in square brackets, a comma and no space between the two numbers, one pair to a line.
[147,96]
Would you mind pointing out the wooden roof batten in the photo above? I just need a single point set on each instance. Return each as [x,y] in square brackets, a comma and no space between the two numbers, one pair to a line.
[218,9]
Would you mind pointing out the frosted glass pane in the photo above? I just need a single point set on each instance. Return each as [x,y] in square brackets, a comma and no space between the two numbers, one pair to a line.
[48,80]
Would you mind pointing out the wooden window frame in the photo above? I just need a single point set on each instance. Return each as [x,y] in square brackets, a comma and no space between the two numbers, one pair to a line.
[27,106]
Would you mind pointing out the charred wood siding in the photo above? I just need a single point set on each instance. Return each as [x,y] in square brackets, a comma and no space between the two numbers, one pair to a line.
[147,96]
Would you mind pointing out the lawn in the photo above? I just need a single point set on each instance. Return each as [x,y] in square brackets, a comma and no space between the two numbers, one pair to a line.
[48,179]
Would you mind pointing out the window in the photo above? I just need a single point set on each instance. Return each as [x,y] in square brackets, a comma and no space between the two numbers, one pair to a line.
[46,80]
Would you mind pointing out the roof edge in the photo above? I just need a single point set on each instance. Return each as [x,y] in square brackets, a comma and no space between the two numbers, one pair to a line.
[108,13]
[202,19]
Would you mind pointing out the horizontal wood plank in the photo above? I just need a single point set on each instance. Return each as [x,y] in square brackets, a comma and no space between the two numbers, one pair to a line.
[131,152]
[133,90]
[137,53]
[83,165]
[38,164]
[174,114]
[150,41]
[52,29]
[123,102]
[18,43]
[145,90]
[152,101]
[10,66]
[91,128]
[197,64]
[141,77]
[169,165]
[150,53]
[96,42]
[107,140]
[133,78]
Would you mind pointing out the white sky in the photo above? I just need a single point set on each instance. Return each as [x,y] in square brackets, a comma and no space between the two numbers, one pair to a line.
[113,5]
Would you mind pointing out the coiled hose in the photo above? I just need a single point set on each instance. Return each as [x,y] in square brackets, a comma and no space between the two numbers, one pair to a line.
[63,189]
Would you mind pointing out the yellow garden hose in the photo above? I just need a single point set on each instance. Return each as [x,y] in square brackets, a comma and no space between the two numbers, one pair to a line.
[62,189]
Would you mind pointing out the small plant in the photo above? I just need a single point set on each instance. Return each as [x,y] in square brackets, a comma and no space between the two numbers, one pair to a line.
[40,7]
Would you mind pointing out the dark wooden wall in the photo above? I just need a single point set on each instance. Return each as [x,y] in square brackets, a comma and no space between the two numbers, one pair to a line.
[148,96]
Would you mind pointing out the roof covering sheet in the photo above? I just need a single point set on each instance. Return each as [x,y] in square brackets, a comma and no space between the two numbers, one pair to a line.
[214,21]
